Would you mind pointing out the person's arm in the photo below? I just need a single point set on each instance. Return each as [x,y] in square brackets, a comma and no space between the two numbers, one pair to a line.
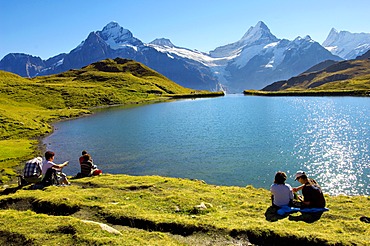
[60,166]
[296,189]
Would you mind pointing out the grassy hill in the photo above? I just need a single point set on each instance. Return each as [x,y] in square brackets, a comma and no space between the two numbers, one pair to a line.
[27,106]
[342,78]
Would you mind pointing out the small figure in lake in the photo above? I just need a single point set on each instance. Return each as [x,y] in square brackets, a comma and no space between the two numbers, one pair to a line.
[313,196]
[49,167]
[282,194]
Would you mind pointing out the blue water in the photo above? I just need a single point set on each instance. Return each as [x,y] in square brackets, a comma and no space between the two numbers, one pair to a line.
[232,140]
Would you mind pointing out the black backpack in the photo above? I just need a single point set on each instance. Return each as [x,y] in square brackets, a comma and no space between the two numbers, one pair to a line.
[50,178]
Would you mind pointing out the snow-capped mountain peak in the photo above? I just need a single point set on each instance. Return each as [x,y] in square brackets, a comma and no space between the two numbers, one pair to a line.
[117,37]
[259,35]
[299,40]
[163,42]
[347,45]
[259,31]
[254,61]
[333,35]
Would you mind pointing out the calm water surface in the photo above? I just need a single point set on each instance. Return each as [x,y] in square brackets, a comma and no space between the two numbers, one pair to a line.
[232,140]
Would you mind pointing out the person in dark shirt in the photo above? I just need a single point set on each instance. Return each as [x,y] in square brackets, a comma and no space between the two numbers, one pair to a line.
[87,165]
[313,196]
[81,159]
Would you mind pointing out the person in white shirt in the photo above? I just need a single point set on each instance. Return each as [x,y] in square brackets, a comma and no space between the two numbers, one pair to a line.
[282,193]
[49,158]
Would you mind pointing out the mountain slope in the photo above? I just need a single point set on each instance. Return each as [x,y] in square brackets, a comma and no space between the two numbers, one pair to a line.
[347,45]
[344,75]
[275,61]
[111,42]
[256,60]
[105,82]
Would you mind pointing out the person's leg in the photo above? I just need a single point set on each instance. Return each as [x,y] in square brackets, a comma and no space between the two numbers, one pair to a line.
[63,179]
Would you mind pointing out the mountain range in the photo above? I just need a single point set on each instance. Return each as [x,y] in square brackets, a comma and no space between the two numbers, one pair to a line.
[256,60]
[342,76]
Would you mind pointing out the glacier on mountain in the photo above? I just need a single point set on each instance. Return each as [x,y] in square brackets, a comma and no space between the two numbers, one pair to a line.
[117,37]
[259,58]
[347,45]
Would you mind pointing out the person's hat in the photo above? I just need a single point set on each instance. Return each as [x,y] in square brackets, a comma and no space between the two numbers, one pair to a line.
[299,174]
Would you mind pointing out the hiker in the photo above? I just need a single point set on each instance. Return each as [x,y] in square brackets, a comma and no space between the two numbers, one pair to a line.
[33,170]
[282,194]
[313,196]
[49,164]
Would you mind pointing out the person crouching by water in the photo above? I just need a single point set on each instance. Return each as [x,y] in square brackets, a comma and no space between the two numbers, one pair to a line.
[282,194]
[49,167]
[313,196]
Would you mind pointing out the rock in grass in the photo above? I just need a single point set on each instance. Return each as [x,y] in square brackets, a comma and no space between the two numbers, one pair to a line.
[104,227]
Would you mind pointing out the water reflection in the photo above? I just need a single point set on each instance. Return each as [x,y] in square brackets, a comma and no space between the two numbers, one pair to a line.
[337,146]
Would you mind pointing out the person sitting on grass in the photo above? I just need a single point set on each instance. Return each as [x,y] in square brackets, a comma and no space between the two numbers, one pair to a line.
[88,168]
[282,194]
[313,196]
[33,170]
[49,164]
[81,159]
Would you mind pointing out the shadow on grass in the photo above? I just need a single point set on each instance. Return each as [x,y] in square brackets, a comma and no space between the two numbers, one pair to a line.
[272,215]
[306,217]
[11,190]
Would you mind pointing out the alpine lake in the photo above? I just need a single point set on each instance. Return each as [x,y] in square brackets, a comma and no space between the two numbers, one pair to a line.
[234,140]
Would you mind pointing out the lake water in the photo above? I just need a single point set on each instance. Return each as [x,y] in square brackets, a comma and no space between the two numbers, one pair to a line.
[232,140]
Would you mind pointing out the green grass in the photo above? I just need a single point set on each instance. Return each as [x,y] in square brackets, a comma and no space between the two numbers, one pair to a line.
[311,92]
[168,205]
[40,229]
[12,152]
[346,78]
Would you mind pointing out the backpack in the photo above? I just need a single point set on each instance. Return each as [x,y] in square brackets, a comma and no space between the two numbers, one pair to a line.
[50,178]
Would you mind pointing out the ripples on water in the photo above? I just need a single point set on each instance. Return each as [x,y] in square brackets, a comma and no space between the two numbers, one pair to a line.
[234,140]
[334,145]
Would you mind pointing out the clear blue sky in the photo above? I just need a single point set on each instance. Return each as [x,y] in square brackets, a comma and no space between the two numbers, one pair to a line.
[48,27]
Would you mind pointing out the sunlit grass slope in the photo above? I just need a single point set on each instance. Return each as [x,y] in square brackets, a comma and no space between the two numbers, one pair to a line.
[27,106]
[144,208]
[343,78]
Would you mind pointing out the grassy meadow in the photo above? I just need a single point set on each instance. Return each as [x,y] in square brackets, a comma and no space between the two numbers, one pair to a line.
[152,210]
[137,210]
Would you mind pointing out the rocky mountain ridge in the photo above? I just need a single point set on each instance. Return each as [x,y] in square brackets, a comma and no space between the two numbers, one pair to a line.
[344,75]
[256,60]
